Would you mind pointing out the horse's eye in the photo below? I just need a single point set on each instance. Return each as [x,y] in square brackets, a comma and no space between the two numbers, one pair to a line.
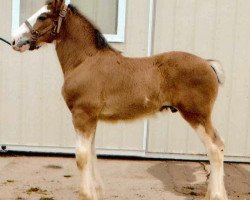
[42,18]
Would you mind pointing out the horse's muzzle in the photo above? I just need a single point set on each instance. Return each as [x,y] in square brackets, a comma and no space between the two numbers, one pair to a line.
[21,45]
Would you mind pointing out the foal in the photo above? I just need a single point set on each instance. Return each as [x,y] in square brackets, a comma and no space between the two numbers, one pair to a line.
[101,84]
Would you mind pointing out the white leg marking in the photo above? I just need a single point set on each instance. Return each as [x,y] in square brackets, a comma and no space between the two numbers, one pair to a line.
[85,164]
[216,190]
[97,178]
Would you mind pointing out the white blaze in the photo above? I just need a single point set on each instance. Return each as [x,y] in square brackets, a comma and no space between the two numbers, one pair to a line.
[17,35]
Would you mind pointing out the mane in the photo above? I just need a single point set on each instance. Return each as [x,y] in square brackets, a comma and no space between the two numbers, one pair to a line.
[99,39]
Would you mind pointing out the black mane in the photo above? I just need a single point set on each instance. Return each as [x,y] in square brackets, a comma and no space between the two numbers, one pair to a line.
[100,40]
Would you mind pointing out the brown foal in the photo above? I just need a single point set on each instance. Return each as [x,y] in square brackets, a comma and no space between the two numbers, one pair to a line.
[102,84]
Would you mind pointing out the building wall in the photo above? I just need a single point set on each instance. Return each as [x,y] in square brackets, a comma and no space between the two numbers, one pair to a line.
[33,115]
[217,29]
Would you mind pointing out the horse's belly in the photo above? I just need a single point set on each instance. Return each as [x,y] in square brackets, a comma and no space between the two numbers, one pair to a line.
[129,111]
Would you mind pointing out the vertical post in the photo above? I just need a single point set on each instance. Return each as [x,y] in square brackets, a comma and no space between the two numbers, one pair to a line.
[67,2]
[15,14]
[151,24]
[151,20]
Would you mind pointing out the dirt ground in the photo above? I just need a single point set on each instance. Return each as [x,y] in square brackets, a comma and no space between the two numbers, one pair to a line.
[56,178]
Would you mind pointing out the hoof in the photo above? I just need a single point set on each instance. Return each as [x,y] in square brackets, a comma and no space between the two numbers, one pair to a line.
[100,192]
[92,194]
[216,197]
[84,197]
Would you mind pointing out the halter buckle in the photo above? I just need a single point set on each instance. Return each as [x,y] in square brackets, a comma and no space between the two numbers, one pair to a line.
[63,12]
[35,34]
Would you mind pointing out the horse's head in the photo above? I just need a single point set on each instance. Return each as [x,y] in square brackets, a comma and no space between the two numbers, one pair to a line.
[42,27]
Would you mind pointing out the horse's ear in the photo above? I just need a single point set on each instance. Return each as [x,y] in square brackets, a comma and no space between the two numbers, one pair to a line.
[55,4]
[61,1]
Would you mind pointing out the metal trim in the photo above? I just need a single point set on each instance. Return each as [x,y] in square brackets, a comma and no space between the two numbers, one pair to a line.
[121,21]
[123,153]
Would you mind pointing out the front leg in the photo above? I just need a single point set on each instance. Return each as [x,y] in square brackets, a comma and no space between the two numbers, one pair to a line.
[85,125]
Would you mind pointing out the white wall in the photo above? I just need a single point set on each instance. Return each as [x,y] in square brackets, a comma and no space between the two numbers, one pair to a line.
[217,29]
[33,114]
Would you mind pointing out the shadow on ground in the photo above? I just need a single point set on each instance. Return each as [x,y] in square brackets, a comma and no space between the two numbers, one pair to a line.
[190,181]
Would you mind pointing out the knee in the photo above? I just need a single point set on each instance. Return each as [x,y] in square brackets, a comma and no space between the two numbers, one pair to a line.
[216,154]
[81,158]
[217,140]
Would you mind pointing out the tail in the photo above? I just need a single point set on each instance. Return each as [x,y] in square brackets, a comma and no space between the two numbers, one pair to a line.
[217,67]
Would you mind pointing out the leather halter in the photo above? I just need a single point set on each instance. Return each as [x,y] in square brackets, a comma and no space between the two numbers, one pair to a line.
[55,27]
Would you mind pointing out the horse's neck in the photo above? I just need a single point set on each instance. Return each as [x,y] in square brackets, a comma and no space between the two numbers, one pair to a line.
[74,44]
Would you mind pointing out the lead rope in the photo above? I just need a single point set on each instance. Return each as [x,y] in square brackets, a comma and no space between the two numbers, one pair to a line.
[5,41]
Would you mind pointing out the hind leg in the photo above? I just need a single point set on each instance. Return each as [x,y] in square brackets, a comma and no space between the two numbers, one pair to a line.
[215,147]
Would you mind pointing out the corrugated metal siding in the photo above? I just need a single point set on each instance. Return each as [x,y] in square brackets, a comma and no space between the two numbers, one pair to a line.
[212,29]
[32,111]
[128,136]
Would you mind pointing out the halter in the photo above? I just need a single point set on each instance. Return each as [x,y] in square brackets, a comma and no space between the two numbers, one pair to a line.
[55,27]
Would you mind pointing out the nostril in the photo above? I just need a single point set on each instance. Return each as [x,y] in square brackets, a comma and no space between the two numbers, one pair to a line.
[14,42]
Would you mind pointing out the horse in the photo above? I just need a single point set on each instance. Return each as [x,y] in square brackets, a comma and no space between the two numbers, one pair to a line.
[102,84]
